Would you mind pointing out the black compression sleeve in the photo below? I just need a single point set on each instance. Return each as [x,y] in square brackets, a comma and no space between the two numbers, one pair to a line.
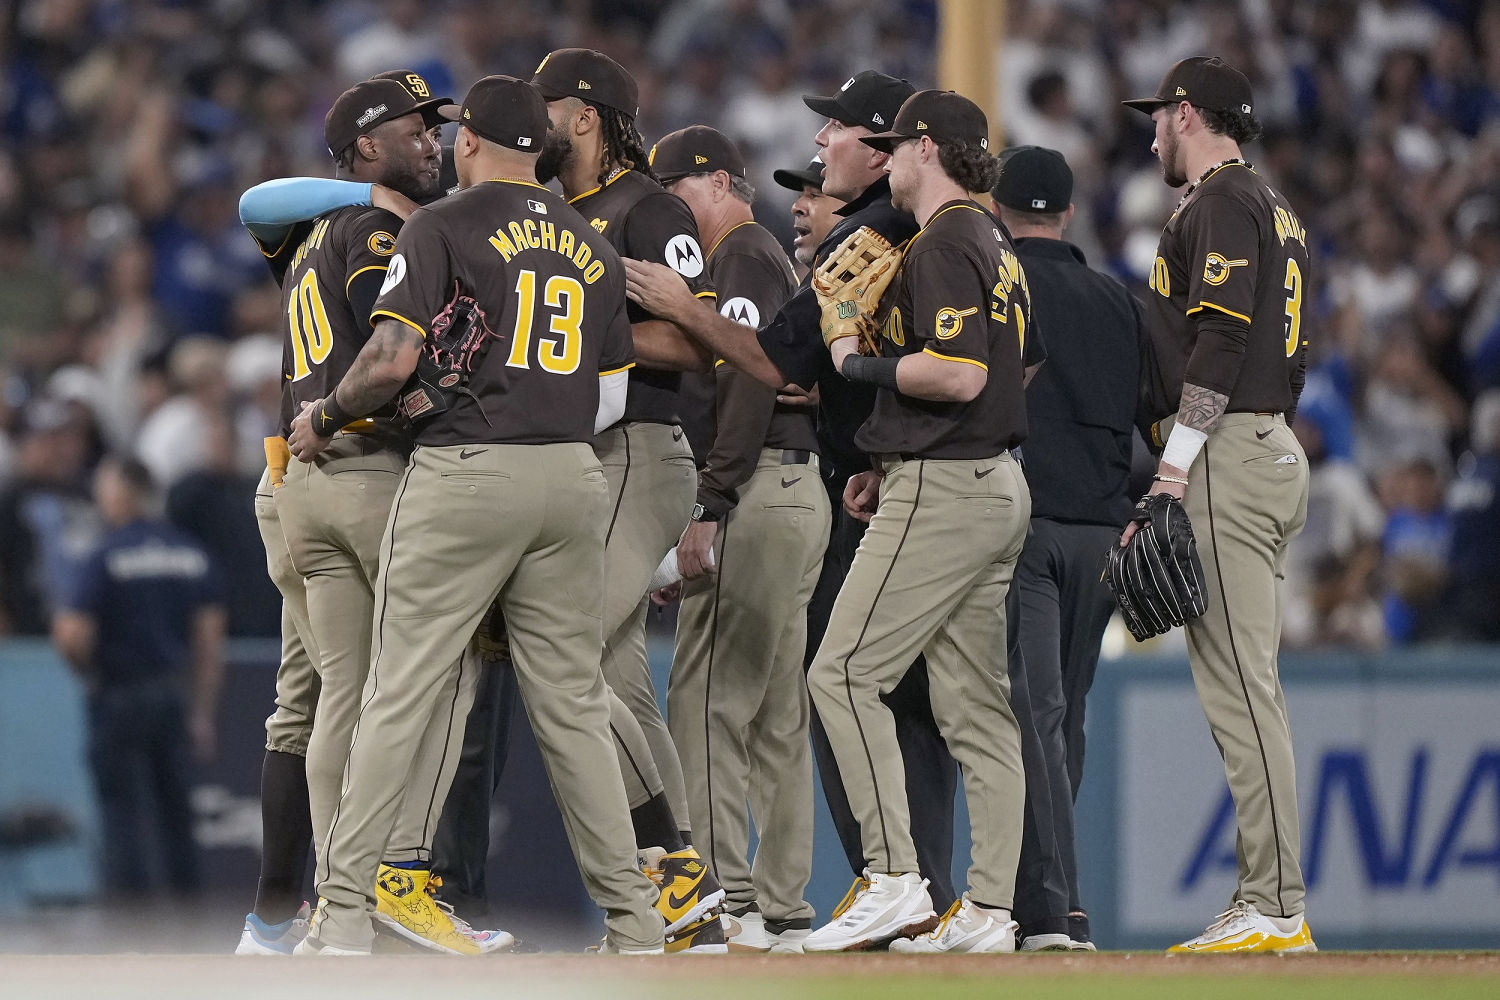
[876,371]
[363,291]
[1219,352]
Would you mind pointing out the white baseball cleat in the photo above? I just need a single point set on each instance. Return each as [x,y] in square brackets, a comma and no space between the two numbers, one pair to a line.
[747,931]
[1046,942]
[260,938]
[1243,928]
[877,908]
[965,928]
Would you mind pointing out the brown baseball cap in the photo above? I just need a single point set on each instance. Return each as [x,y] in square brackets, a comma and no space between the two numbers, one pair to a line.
[420,92]
[362,107]
[589,75]
[941,115]
[1203,81]
[696,149]
[796,180]
[503,110]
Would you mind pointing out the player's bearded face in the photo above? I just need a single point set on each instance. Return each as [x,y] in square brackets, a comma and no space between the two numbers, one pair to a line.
[557,153]
[1168,148]
[903,181]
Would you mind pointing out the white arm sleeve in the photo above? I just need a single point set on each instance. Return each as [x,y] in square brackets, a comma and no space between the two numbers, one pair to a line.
[611,399]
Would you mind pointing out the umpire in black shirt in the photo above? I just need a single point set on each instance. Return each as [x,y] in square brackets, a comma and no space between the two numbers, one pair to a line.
[1080,411]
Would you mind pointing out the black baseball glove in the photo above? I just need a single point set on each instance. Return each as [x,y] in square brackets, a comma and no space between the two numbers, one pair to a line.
[1157,578]
[456,342]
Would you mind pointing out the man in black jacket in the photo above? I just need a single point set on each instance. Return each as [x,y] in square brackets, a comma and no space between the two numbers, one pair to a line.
[1080,411]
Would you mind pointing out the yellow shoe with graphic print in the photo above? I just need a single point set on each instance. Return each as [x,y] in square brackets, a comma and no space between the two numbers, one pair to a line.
[689,890]
[1243,928]
[404,904]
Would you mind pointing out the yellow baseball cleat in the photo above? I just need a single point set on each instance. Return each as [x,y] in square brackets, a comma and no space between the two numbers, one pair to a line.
[405,905]
[706,937]
[688,889]
[1243,928]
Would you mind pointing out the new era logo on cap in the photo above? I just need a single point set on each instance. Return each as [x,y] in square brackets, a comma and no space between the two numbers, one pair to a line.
[1181,92]
[584,85]
[700,160]
[921,126]
[877,119]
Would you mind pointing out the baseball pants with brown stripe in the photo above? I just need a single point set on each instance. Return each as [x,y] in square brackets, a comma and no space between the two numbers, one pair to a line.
[447,555]
[289,727]
[652,483]
[737,704]
[1247,499]
[333,513]
[931,577]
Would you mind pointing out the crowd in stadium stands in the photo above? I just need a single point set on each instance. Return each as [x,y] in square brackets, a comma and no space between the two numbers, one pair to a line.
[138,317]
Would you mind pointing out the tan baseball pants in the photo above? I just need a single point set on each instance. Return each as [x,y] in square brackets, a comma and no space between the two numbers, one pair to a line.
[526,523]
[1246,499]
[737,703]
[652,483]
[290,725]
[930,577]
[333,513]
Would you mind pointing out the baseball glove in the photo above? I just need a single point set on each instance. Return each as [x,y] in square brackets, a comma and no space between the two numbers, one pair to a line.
[849,284]
[1157,578]
[456,342]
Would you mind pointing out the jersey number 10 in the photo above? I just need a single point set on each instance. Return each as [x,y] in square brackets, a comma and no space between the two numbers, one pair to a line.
[307,322]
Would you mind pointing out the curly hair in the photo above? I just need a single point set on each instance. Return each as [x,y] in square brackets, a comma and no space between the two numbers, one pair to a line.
[623,144]
[1240,126]
[969,164]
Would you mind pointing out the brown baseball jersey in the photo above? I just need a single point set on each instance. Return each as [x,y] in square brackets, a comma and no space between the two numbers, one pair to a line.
[323,335]
[643,221]
[552,291]
[1234,247]
[752,277]
[960,294]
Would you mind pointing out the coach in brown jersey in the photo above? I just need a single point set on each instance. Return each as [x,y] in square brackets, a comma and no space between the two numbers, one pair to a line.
[1226,323]
[549,372]
[932,571]
[736,703]
[596,153]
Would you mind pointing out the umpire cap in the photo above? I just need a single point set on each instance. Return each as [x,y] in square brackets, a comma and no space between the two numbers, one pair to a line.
[696,149]
[1203,81]
[589,75]
[362,107]
[1034,179]
[796,180]
[870,99]
[503,110]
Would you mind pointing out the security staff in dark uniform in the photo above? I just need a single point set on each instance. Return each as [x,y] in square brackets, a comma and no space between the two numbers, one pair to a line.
[789,349]
[144,628]
[1080,409]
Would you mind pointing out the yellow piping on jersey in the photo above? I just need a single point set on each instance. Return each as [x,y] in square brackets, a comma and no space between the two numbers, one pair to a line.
[601,187]
[515,180]
[396,316]
[1227,312]
[1223,166]
[370,267]
[721,239]
[707,295]
[968,205]
[269,254]
[949,357]
[616,371]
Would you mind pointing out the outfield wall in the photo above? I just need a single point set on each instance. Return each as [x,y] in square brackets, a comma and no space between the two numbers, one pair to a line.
[1398,775]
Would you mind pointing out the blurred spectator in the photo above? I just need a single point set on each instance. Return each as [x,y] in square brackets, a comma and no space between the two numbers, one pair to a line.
[47,523]
[215,507]
[1473,597]
[1414,548]
[144,628]
[171,441]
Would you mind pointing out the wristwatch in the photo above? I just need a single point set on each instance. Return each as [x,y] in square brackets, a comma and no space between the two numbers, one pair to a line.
[702,513]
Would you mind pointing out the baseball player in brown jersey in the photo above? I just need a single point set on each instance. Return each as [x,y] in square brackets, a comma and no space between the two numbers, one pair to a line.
[523,305]
[596,153]
[736,703]
[1227,330]
[329,513]
[933,568]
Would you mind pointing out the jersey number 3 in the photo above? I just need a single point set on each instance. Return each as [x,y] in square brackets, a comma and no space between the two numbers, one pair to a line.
[559,354]
[307,323]
[1293,286]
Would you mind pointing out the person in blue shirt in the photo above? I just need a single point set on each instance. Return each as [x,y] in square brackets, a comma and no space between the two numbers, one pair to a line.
[144,629]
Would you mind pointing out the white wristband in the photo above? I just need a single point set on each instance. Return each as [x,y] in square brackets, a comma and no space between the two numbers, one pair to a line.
[1183,445]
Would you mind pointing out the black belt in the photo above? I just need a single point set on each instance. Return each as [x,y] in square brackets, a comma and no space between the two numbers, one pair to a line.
[793,457]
